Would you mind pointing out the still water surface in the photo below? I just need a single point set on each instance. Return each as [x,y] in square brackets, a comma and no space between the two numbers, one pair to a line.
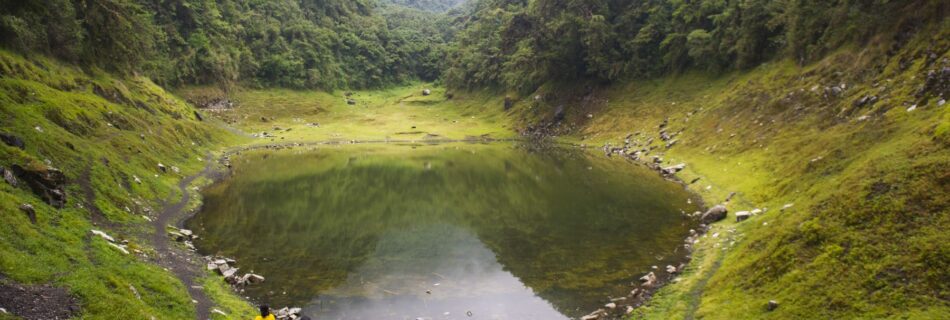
[497,231]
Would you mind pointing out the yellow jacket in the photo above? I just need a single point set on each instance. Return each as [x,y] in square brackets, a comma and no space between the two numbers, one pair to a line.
[269,317]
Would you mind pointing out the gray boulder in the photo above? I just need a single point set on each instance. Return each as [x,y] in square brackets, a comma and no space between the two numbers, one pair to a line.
[714,214]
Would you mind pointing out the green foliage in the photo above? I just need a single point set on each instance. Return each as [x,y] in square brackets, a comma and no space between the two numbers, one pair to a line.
[427,5]
[520,44]
[324,44]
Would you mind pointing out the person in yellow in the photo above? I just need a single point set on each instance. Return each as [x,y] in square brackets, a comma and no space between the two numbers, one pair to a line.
[265,314]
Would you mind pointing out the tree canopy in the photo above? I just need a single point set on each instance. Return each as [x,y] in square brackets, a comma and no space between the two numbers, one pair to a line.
[522,43]
[515,44]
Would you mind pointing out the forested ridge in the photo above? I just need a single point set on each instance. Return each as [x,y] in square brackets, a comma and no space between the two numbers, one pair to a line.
[325,44]
[522,44]
[514,44]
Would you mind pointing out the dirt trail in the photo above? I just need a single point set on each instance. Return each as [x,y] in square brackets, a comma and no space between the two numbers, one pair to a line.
[182,263]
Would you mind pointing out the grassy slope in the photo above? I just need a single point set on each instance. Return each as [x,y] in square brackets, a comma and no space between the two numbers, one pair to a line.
[398,114]
[866,237]
[102,141]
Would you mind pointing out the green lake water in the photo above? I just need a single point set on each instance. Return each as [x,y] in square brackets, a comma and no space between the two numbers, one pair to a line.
[500,231]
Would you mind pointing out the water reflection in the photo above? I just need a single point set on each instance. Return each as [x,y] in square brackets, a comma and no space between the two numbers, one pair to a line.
[389,232]
[456,276]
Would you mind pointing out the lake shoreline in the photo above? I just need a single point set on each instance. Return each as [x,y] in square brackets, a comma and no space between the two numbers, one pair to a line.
[642,293]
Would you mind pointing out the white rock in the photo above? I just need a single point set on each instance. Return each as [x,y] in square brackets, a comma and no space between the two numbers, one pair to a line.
[611,305]
[120,248]
[743,215]
[103,235]
[218,312]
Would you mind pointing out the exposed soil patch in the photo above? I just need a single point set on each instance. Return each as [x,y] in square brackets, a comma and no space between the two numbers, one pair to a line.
[44,302]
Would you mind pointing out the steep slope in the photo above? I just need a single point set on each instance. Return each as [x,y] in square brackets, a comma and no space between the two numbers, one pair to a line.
[847,156]
[99,140]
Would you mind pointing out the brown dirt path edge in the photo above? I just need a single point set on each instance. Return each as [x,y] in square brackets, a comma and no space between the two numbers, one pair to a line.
[180,262]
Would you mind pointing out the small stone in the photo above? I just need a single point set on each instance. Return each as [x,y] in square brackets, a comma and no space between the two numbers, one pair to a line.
[103,235]
[787,206]
[426,92]
[674,169]
[229,272]
[772,305]
[648,280]
[218,312]
[253,278]
[162,168]
[912,108]
[30,212]
[8,176]
[743,215]
[671,269]
[610,305]
[120,248]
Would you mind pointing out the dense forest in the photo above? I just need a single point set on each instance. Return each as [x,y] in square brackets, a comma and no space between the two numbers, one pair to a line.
[521,44]
[325,44]
[515,44]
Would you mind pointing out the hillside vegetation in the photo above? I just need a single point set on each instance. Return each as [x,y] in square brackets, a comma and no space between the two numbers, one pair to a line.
[325,44]
[107,136]
[848,157]
[830,116]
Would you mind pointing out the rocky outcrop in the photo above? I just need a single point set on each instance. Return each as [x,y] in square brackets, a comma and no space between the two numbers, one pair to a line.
[46,182]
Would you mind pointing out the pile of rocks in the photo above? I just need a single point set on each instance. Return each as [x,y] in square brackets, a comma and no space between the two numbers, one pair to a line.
[184,236]
[225,267]
[288,314]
